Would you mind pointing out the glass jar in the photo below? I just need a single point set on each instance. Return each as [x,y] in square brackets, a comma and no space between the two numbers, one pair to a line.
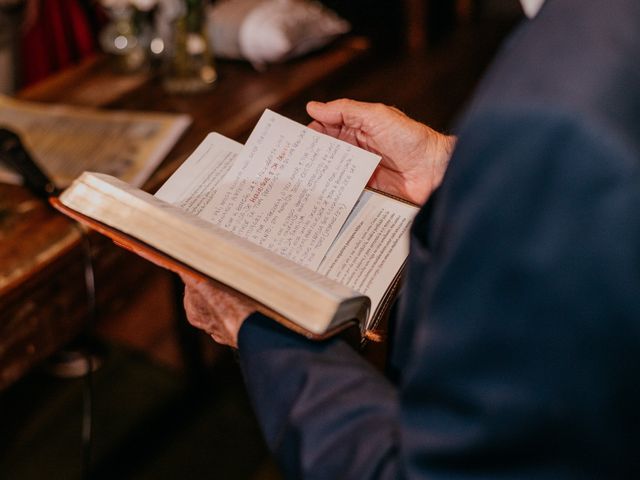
[125,39]
[188,63]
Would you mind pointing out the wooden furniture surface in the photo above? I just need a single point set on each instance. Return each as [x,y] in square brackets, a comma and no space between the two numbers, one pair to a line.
[43,301]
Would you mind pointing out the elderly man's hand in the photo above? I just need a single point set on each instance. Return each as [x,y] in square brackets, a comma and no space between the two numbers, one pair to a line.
[414,156]
[218,312]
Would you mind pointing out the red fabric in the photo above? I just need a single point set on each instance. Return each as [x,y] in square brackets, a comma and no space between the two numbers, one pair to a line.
[84,37]
[60,36]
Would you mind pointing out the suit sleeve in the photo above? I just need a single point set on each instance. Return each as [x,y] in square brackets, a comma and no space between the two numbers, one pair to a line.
[324,411]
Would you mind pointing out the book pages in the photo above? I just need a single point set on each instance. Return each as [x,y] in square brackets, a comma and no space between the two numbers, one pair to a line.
[372,246]
[193,185]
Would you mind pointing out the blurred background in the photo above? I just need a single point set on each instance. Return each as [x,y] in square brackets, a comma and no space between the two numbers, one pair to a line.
[165,401]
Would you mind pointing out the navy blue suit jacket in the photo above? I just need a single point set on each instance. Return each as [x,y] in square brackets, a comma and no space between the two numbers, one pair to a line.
[518,334]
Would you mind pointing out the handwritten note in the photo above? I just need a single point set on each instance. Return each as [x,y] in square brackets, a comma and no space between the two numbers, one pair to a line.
[290,189]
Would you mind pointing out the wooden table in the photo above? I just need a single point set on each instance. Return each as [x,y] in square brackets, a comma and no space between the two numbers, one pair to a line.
[43,302]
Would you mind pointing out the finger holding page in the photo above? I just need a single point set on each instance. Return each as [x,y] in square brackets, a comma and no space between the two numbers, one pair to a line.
[414,156]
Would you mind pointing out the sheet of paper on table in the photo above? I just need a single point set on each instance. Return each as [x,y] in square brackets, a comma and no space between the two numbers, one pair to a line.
[66,140]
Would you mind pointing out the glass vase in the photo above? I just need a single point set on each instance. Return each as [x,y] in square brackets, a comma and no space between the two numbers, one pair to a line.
[124,40]
[188,64]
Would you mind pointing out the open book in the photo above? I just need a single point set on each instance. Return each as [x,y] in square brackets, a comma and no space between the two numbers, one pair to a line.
[285,220]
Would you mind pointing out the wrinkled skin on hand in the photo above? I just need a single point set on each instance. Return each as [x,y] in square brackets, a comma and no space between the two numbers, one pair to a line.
[414,156]
[217,311]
